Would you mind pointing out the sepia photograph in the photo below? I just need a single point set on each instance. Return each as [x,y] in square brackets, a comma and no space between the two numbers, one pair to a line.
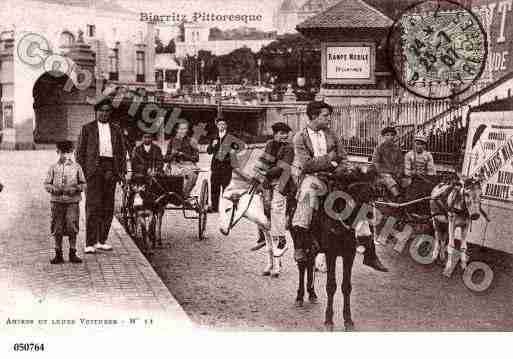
[176,170]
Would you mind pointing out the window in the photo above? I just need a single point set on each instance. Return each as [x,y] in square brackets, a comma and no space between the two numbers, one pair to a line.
[114,65]
[7,114]
[91,30]
[159,79]
[140,66]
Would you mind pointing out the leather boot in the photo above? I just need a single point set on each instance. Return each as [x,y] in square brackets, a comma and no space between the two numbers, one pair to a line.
[370,257]
[73,256]
[58,259]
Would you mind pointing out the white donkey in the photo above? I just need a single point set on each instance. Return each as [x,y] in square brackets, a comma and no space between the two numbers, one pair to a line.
[455,205]
[243,199]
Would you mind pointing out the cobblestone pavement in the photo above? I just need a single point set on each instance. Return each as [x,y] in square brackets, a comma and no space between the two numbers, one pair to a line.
[218,283]
[116,285]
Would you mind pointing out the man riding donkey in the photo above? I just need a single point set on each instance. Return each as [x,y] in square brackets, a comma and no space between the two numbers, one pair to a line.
[279,187]
[317,149]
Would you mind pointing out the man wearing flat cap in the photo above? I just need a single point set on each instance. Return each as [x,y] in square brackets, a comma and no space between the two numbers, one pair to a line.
[102,155]
[388,161]
[317,149]
[221,166]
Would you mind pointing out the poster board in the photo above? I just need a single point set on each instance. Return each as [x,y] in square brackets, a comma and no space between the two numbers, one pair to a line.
[489,148]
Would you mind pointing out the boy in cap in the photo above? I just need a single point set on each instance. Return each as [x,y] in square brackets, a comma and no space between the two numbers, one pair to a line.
[419,161]
[65,182]
[280,187]
[418,164]
[388,161]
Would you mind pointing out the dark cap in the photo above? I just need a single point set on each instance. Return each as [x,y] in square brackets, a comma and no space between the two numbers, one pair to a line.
[65,146]
[314,108]
[281,127]
[388,129]
[220,117]
[102,101]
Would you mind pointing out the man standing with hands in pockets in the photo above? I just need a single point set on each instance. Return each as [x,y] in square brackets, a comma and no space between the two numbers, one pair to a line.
[221,168]
[101,154]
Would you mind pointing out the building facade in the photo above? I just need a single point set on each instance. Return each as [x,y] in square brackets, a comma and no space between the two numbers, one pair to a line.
[92,42]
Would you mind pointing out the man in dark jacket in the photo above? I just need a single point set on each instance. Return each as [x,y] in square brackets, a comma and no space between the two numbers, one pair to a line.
[221,168]
[147,156]
[280,190]
[388,161]
[101,154]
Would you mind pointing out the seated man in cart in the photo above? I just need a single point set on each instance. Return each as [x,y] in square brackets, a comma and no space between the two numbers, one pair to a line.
[182,155]
[388,162]
[279,191]
[147,157]
[418,168]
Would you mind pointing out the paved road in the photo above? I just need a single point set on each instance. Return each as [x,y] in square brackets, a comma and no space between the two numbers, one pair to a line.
[219,285]
[118,285]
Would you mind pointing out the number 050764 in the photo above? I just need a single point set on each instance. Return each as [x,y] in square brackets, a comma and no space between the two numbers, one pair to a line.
[29,347]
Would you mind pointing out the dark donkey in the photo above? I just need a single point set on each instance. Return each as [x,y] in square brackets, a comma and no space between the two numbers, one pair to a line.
[332,232]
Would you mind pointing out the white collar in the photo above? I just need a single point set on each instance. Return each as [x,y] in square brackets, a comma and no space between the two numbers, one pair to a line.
[222,134]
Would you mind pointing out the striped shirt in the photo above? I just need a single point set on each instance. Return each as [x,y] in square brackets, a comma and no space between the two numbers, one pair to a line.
[64,174]
[419,163]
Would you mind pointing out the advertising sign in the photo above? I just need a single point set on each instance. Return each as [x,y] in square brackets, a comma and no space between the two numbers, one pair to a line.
[497,19]
[348,63]
[489,150]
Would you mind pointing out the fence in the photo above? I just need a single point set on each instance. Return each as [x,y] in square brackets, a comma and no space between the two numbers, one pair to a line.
[359,126]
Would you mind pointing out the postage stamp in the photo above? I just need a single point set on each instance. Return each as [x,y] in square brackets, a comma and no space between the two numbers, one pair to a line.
[438,49]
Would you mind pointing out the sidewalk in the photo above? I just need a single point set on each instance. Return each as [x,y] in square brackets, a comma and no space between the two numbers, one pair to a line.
[112,286]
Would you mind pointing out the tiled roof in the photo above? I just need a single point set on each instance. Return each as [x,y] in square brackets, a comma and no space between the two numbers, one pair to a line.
[348,14]
[102,5]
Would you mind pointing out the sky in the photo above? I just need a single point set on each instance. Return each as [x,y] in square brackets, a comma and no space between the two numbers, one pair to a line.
[265,8]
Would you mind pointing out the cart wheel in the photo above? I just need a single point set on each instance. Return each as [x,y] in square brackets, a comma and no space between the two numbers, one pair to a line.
[202,210]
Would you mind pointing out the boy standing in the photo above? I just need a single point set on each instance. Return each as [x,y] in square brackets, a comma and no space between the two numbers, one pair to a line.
[65,182]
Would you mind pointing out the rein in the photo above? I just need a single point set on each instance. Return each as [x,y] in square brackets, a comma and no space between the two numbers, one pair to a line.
[252,191]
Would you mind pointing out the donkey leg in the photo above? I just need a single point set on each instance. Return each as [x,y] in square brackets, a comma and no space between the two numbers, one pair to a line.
[348,260]
[331,288]
[160,215]
[464,248]
[268,254]
[450,245]
[310,281]
[301,266]
[275,271]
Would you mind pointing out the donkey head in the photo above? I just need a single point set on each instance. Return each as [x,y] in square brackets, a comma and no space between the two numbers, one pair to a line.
[466,197]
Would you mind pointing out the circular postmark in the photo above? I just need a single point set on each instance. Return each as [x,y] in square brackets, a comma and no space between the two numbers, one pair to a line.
[437,49]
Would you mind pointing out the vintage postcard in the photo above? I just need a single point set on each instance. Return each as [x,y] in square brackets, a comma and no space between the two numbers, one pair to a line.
[176,170]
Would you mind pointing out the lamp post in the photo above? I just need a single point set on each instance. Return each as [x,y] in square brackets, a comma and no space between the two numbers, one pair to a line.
[259,63]
[202,72]
[195,73]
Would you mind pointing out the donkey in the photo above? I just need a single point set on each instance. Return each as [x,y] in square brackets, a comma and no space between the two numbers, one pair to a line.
[334,222]
[242,199]
[455,205]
